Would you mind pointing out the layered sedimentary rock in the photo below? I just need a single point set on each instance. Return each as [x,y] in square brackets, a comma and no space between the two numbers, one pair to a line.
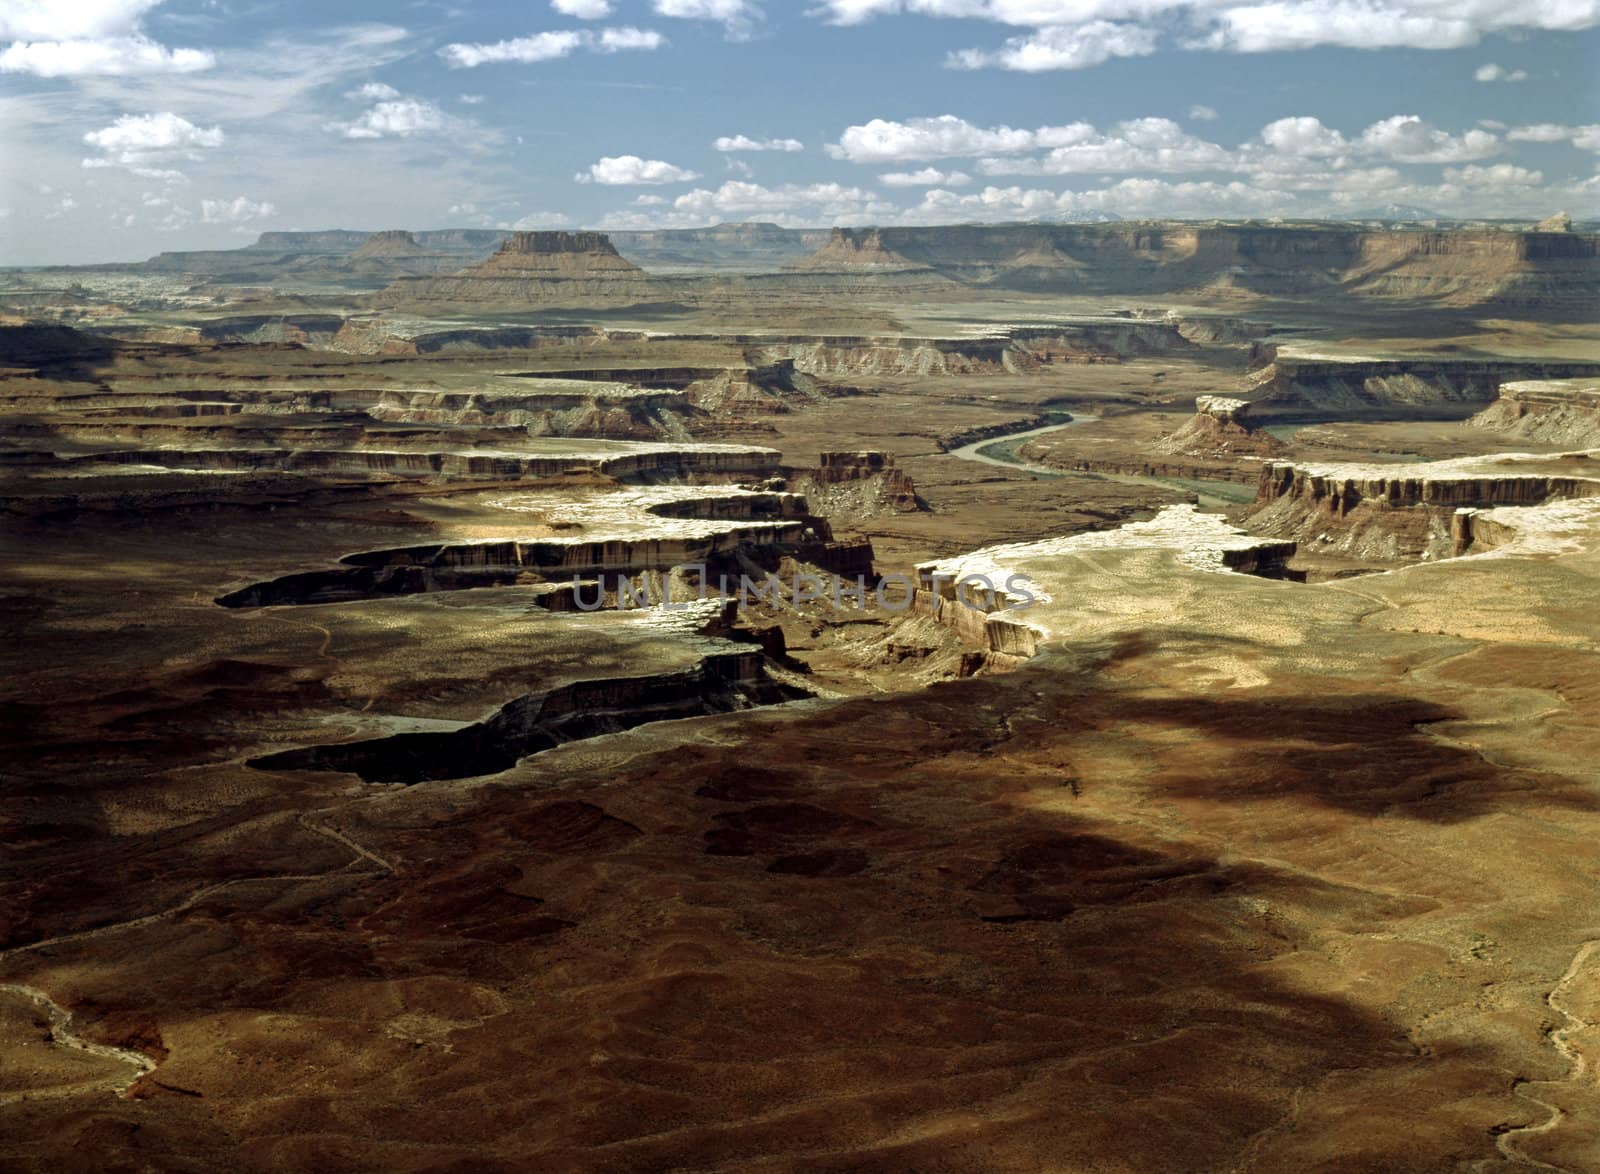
[1220,427]
[554,408]
[542,269]
[721,531]
[335,257]
[1545,270]
[625,403]
[1552,411]
[1557,270]
[1555,527]
[394,242]
[1549,268]
[1304,385]
[849,250]
[1020,350]
[634,462]
[857,485]
[1407,511]
[68,480]
[379,334]
[737,246]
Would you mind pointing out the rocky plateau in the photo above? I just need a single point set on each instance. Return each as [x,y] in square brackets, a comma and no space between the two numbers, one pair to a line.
[1099,697]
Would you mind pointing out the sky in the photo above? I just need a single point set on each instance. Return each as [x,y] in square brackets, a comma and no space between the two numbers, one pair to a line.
[128,127]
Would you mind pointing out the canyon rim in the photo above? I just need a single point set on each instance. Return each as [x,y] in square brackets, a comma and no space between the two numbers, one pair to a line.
[642,585]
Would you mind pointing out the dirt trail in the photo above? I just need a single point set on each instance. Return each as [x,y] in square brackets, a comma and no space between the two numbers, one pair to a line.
[60,1017]
[61,1033]
[1510,1142]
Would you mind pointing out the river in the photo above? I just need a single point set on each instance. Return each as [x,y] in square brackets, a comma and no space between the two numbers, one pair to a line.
[1003,451]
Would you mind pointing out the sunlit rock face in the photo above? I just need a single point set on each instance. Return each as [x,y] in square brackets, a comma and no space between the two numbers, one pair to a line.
[1409,511]
[1552,411]
[1298,382]
[1221,426]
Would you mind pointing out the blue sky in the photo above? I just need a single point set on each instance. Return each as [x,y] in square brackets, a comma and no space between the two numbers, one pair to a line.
[131,126]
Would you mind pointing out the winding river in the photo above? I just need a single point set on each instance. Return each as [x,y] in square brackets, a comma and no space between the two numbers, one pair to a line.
[1003,451]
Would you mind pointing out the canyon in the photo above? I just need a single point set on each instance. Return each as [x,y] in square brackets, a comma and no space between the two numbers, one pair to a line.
[1032,697]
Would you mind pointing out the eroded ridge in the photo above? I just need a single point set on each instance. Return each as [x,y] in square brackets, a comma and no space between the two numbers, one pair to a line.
[1430,510]
[716,529]
[720,683]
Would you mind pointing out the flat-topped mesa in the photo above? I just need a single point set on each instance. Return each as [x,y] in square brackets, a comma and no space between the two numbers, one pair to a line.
[856,248]
[1512,479]
[544,269]
[557,242]
[555,254]
[392,242]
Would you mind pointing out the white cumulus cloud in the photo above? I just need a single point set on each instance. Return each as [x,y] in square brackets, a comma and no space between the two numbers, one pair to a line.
[626,37]
[1499,73]
[141,142]
[583,9]
[1405,138]
[372,92]
[630,169]
[121,55]
[1140,144]
[739,197]
[745,143]
[1072,34]
[1061,47]
[885,141]
[55,20]
[79,38]
[399,118]
[1498,175]
[927,177]
[1585,138]
[1126,198]
[737,16]
[1303,136]
[550,46]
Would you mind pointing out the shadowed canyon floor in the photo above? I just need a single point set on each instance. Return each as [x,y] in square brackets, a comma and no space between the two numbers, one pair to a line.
[355,818]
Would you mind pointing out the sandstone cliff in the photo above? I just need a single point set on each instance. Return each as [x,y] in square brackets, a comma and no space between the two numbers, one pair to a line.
[1551,411]
[1306,385]
[1406,512]
[1547,270]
